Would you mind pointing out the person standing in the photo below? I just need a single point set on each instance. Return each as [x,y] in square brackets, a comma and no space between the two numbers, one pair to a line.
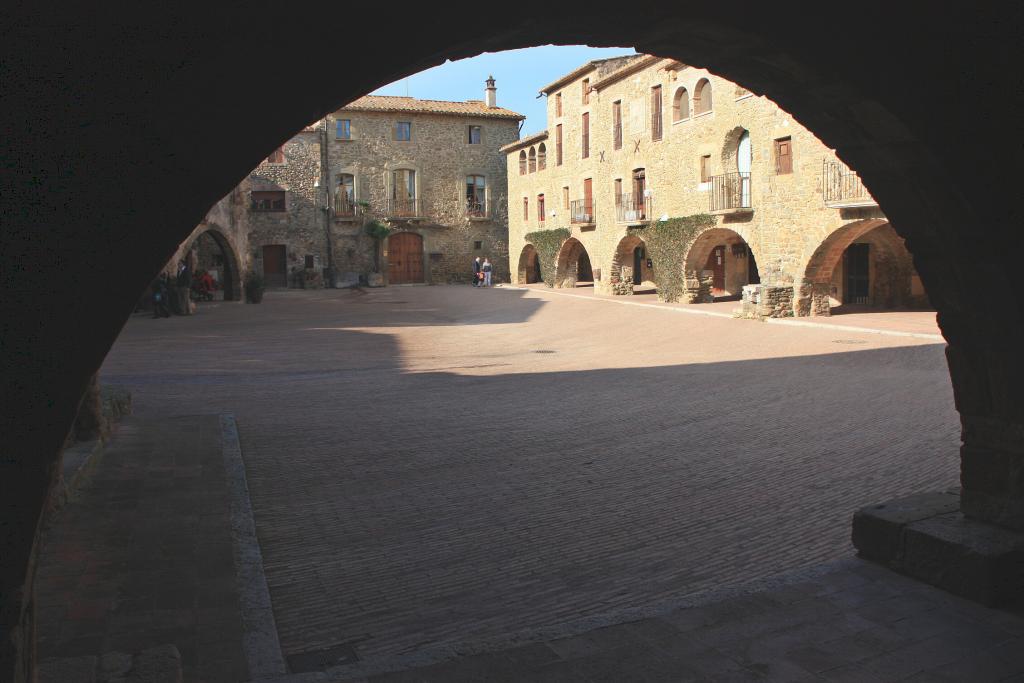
[476,272]
[159,287]
[487,272]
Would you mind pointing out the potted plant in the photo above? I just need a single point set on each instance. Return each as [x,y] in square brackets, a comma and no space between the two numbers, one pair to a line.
[378,231]
[254,287]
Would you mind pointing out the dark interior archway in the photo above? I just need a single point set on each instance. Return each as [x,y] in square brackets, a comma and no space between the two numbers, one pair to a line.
[574,268]
[75,259]
[529,270]
[226,267]
[717,266]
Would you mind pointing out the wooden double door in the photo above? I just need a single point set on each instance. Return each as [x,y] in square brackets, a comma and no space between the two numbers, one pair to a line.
[405,258]
[275,269]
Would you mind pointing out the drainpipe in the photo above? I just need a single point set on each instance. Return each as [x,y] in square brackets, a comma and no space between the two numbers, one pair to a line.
[326,192]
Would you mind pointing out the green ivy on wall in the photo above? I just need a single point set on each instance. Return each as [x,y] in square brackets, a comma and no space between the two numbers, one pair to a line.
[547,243]
[667,243]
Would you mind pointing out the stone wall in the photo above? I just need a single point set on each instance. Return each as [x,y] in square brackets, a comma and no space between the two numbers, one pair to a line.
[789,219]
[441,156]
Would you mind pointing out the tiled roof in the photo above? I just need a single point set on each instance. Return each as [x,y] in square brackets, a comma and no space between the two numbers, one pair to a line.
[602,66]
[528,140]
[625,70]
[411,104]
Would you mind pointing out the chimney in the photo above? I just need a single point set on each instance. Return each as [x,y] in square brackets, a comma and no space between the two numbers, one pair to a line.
[491,93]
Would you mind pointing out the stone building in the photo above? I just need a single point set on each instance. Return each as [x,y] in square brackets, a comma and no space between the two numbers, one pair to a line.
[635,140]
[429,171]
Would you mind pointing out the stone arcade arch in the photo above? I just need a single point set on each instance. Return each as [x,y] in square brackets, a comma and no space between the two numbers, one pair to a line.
[630,252]
[229,274]
[891,279]
[529,270]
[574,268]
[717,265]
[939,186]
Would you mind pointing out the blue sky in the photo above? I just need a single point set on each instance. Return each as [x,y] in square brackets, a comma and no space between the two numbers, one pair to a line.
[519,75]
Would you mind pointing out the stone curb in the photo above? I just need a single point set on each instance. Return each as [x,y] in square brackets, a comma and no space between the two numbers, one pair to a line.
[261,643]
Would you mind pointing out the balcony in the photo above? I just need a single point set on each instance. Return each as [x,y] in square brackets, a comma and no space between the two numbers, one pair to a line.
[632,208]
[842,188]
[581,211]
[476,209]
[346,208]
[403,208]
[730,193]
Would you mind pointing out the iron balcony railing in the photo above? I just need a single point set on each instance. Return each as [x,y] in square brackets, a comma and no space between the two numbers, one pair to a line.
[842,187]
[476,209]
[347,207]
[403,208]
[581,211]
[632,208]
[730,191]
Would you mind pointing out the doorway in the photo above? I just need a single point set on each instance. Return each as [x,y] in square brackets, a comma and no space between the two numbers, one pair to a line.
[275,271]
[405,258]
[716,264]
[856,266]
[638,264]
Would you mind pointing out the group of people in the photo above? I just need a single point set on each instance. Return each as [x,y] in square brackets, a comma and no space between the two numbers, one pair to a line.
[481,272]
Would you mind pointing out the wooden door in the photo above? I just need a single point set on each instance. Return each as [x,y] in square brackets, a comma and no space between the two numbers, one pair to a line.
[716,264]
[588,198]
[275,271]
[856,265]
[405,258]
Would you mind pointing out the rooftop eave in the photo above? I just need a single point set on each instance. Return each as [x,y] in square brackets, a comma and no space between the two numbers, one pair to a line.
[525,142]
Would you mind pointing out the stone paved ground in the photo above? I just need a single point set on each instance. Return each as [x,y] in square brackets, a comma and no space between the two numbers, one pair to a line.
[143,557]
[435,467]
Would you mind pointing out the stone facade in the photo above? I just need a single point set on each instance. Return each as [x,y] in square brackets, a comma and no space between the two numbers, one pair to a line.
[300,218]
[787,209]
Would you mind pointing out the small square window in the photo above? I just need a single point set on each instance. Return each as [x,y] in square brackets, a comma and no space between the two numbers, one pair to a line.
[478,245]
[474,135]
[403,131]
[784,156]
[310,262]
[264,200]
[344,129]
[277,156]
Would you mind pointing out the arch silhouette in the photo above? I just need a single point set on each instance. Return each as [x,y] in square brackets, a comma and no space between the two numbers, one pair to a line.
[529,270]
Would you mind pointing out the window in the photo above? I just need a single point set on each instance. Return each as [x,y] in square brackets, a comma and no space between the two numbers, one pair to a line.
[403,131]
[272,200]
[522,162]
[656,112]
[310,262]
[586,91]
[476,196]
[526,208]
[681,105]
[277,156]
[558,104]
[403,193]
[533,160]
[705,168]
[617,124]
[639,183]
[558,145]
[586,135]
[565,198]
[702,97]
[618,190]
[784,155]
[343,130]
[474,135]
[542,157]
[540,208]
[478,245]
[344,196]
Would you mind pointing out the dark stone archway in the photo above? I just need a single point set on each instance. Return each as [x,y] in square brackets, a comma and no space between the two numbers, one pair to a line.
[161,102]
[529,270]
[573,265]
[231,280]
[740,264]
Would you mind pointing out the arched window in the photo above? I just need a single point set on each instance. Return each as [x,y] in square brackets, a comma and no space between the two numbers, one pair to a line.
[522,162]
[533,160]
[702,97]
[542,157]
[681,105]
